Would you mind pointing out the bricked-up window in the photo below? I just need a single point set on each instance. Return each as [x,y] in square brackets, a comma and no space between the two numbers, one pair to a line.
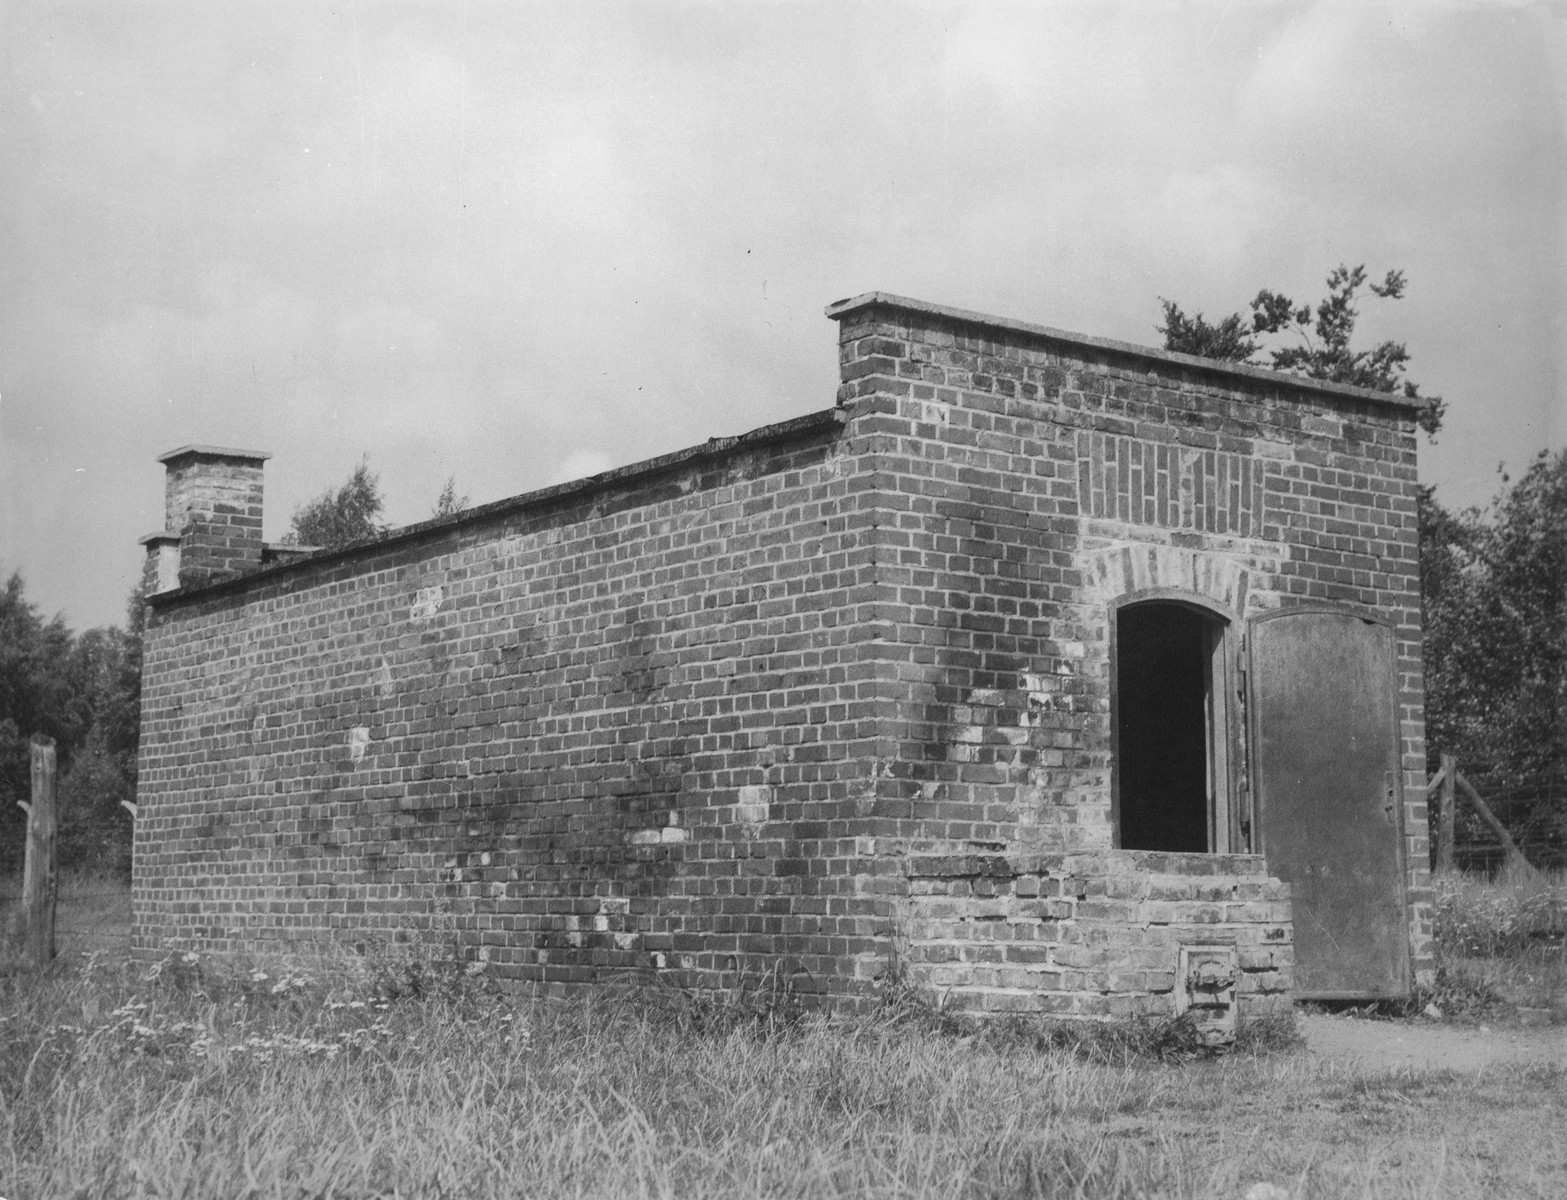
[1172,751]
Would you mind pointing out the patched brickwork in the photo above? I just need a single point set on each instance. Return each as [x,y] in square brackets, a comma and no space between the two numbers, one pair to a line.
[832,700]
[1164,484]
[1091,934]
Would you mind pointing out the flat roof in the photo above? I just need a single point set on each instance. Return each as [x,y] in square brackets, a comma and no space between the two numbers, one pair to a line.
[216,452]
[839,309]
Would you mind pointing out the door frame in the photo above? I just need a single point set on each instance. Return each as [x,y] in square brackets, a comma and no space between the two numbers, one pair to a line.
[1224,828]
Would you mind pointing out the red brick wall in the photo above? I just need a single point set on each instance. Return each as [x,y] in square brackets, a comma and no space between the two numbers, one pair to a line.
[711,716]
[623,727]
[1030,479]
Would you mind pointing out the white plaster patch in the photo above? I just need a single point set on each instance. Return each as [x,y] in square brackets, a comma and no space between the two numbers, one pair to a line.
[669,833]
[753,806]
[1120,569]
[427,601]
[168,568]
[1039,689]
[258,732]
[358,742]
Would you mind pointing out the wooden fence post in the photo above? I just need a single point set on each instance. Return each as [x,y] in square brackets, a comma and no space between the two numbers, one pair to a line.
[1444,814]
[1509,846]
[39,882]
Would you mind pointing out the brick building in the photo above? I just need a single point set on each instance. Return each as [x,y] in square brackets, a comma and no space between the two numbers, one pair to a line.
[1039,670]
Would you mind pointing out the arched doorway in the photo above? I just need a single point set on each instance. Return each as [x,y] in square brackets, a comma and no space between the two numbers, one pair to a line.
[1172,783]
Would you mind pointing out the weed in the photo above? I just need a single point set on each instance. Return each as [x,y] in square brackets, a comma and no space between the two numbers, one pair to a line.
[1461,990]
[1118,1043]
[1516,912]
[1500,944]
[410,1073]
[763,1004]
[1268,1033]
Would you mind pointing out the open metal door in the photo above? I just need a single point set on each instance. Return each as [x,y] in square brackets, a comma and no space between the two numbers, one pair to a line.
[1329,799]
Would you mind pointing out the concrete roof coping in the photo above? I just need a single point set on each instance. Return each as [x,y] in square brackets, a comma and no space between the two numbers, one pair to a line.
[162,535]
[216,452]
[839,309]
[714,447]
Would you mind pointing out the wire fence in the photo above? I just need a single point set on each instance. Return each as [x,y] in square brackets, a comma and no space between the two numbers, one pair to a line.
[64,895]
[9,897]
[87,930]
[1532,806]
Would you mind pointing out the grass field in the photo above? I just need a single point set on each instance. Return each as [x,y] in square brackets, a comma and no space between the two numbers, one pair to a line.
[397,1076]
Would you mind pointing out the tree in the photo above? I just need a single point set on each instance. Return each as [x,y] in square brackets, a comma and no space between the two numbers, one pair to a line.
[100,773]
[449,503]
[35,697]
[343,517]
[85,692]
[34,686]
[1192,335]
[1494,600]
[1322,349]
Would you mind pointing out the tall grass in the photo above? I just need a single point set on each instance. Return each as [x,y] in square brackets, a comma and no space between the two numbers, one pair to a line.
[401,1076]
[1519,910]
[1501,942]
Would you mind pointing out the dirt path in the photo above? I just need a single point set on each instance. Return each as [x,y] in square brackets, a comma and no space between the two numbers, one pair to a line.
[1431,1045]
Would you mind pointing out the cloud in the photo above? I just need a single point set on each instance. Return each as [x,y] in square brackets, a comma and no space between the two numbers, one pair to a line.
[520,232]
[580,464]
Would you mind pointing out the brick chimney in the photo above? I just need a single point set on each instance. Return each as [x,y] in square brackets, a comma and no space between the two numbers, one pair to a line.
[212,518]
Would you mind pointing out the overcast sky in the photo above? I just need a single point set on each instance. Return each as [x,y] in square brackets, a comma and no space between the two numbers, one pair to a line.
[524,243]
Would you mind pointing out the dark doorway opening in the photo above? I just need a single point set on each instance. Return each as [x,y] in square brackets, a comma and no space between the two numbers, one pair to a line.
[1172,749]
